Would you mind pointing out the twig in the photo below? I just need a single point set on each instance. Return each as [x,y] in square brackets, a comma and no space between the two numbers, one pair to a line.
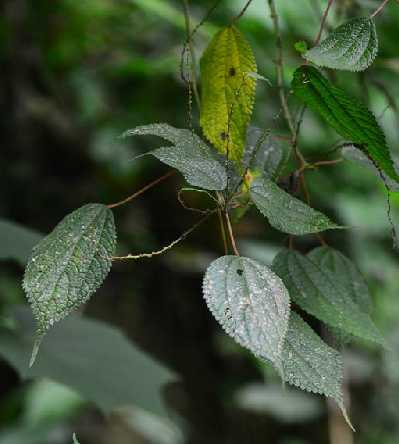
[197,210]
[137,193]
[168,247]
[233,242]
[241,13]
[378,9]
[193,66]
[323,22]
[223,231]
[280,81]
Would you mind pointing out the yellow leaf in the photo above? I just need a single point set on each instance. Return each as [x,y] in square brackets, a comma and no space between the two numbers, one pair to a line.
[223,65]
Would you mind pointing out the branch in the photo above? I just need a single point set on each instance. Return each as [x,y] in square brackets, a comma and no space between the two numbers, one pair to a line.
[137,193]
[167,247]
[378,9]
[323,22]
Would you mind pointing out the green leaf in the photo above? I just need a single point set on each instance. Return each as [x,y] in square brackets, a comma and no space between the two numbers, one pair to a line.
[345,114]
[324,295]
[285,212]
[356,287]
[355,155]
[188,154]
[301,46]
[336,263]
[309,363]
[92,358]
[352,46]
[250,302]
[75,441]
[223,64]
[257,76]
[269,156]
[17,241]
[69,265]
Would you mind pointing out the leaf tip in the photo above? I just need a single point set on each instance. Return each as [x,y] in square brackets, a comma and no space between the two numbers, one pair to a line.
[36,346]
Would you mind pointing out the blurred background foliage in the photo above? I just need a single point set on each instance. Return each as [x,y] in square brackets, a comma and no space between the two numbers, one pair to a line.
[73,76]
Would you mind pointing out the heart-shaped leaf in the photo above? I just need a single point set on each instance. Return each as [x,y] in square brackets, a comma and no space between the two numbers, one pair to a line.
[224,64]
[250,302]
[352,46]
[324,294]
[285,212]
[188,154]
[69,265]
[346,115]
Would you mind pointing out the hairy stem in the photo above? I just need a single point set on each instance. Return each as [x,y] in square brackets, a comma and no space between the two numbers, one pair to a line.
[147,187]
[167,247]
[280,81]
[193,64]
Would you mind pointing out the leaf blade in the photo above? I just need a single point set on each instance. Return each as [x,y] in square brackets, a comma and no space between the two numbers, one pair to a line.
[285,212]
[350,118]
[250,302]
[323,295]
[352,46]
[309,363]
[69,265]
[188,155]
[223,64]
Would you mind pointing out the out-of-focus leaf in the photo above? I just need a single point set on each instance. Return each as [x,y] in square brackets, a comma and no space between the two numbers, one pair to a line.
[269,154]
[352,46]
[223,64]
[345,114]
[92,358]
[189,155]
[357,156]
[16,241]
[290,405]
[69,265]
[285,212]
[250,302]
[324,295]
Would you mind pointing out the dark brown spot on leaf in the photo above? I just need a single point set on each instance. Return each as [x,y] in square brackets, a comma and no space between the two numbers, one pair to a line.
[239,271]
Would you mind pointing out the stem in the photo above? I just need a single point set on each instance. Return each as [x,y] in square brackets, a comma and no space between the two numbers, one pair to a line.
[233,242]
[193,64]
[378,9]
[164,249]
[241,13]
[226,249]
[280,81]
[147,187]
[323,22]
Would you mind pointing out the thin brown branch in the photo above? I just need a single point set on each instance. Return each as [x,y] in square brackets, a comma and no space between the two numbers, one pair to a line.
[323,22]
[223,231]
[378,9]
[193,65]
[233,241]
[137,193]
[280,81]
[241,13]
[167,247]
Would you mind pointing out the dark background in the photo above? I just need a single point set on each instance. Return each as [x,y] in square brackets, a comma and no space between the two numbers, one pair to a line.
[73,76]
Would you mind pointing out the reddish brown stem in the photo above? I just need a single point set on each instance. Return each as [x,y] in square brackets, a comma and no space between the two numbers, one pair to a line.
[241,13]
[233,242]
[137,193]
[226,249]
[327,162]
[378,9]
[323,22]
